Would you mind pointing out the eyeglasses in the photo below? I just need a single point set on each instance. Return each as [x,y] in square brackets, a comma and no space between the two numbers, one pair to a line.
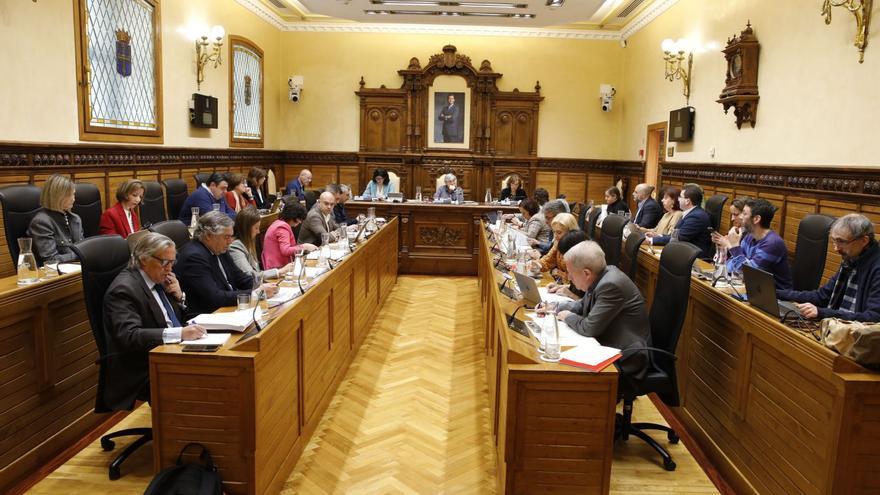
[842,242]
[165,263]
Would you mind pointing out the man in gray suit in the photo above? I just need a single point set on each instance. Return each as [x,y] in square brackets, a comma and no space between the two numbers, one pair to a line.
[612,310]
[319,220]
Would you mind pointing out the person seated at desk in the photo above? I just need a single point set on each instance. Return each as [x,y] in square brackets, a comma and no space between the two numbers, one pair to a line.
[614,201]
[612,310]
[143,308]
[648,211]
[567,242]
[514,190]
[342,193]
[278,243]
[212,192]
[694,224]
[853,293]
[297,187]
[121,219]
[761,247]
[672,212]
[736,208]
[238,195]
[206,271]
[54,227]
[255,179]
[319,220]
[553,261]
[450,190]
[380,185]
[244,248]
[534,225]
[549,211]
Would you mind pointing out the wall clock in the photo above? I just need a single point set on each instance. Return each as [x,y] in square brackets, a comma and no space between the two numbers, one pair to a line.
[741,81]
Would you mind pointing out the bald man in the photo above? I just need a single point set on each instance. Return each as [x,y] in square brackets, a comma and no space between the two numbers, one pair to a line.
[298,186]
[319,220]
[648,211]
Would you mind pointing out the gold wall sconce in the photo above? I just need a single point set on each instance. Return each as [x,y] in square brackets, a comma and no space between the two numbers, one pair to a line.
[208,51]
[674,53]
[861,9]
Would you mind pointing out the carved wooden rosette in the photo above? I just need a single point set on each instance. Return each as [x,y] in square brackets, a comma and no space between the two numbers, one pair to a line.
[440,236]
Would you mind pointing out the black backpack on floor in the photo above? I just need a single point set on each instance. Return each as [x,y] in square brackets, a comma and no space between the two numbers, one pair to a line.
[188,479]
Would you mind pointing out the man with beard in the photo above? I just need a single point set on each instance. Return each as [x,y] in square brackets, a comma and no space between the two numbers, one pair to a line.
[760,247]
[853,293]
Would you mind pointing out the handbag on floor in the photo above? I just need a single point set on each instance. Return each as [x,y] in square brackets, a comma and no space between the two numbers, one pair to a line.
[189,478]
[854,339]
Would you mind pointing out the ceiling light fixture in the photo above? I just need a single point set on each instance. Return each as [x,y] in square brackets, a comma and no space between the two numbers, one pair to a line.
[555,3]
[433,3]
[449,13]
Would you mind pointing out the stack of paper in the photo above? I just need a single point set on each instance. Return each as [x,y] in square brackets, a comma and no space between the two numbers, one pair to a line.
[591,357]
[236,321]
[546,296]
[62,268]
[567,336]
[284,294]
[209,339]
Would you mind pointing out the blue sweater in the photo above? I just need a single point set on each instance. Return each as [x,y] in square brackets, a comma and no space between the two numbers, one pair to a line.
[768,254]
[203,198]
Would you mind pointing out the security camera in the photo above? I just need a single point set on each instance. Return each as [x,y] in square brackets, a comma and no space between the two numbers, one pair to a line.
[606,103]
[295,85]
[606,94]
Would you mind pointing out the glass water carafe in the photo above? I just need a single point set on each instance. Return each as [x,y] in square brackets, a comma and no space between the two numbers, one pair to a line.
[27,263]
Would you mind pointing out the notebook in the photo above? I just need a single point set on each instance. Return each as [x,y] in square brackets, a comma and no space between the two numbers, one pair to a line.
[590,357]
[236,321]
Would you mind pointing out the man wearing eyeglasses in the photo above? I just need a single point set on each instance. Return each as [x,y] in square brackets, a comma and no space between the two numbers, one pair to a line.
[853,293]
[143,308]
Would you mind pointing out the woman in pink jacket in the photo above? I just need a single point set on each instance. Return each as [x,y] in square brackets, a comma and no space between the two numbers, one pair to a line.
[279,244]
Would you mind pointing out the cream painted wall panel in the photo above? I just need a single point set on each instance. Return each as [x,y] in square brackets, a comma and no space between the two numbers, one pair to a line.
[818,105]
[570,71]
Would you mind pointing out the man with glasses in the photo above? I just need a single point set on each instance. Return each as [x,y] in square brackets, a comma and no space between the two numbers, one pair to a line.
[694,224]
[853,293]
[206,270]
[143,308]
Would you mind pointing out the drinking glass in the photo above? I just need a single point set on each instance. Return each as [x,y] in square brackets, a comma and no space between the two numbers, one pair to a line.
[419,194]
[488,195]
[325,238]
[650,241]
[499,217]
[244,301]
[674,236]
[27,263]
[550,331]
[195,216]
[627,215]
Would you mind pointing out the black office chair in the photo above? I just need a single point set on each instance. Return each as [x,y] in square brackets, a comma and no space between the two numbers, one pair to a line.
[591,222]
[202,178]
[311,199]
[715,208]
[87,205]
[175,230]
[810,251]
[629,257]
[20,204]
[671,297]
[582,218]
[611,239]
[152,209]
[176,192]
[102,258]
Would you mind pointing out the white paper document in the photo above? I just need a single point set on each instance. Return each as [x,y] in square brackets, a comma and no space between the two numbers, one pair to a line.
[546,296]
[63,268]
[210,339]
[284,294]
[567,336]
[236,321]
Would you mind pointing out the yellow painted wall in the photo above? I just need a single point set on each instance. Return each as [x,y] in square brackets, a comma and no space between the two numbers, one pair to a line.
[818,105]
[38,91]
[572,124]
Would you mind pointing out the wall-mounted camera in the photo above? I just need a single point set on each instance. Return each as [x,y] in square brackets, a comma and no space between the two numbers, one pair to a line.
[606,95]
[295,85]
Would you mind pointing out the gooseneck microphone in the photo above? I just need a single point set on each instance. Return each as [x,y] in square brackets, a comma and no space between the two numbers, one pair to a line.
[260,296]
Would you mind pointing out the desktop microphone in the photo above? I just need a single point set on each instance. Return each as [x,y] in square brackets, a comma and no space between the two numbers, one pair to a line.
[260,295]
[302,268]
[510,318]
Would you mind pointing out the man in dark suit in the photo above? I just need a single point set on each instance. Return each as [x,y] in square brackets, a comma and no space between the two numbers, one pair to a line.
[212,192]
[143,308]
[648,210]
[319,220]
[694,224]
[206,270]
[342,193]
[449,115]
[612,310]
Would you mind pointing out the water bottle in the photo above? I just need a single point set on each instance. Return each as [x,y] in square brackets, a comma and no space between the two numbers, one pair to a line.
[419,194]
[488,198]
[27,263]
[550,334]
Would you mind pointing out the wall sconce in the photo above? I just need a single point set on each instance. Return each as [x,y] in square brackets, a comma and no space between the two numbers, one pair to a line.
[202,52]
[674,55]
[861,9]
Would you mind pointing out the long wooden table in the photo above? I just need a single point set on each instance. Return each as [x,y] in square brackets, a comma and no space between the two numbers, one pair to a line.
[256,402]
[553,424]
[776,411]
[436,239]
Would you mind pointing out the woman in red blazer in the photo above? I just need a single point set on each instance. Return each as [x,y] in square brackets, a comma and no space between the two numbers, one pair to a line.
[121,218]
[239,195]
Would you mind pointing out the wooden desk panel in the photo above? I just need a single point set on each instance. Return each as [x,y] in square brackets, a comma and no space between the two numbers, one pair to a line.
[434,238]
[776,411]
[553,424]
[256,403]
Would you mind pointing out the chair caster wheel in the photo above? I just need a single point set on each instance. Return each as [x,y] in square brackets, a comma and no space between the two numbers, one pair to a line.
[669,464]
[672,437]
[107,444]
[114,473]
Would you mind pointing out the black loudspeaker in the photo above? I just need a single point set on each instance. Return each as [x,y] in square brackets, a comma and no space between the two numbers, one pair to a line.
[681,124]
[203,111]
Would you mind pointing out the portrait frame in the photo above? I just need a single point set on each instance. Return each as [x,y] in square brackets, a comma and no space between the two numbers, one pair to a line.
[438,93]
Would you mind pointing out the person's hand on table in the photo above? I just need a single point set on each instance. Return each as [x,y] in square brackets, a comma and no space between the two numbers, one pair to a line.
[192,332]
[552,287]
[269,289]
[807,310]
[651,234]
[562,315]
[308,247]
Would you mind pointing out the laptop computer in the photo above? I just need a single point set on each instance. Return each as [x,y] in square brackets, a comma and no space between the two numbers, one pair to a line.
[276,205]
[761,292]
[529,289]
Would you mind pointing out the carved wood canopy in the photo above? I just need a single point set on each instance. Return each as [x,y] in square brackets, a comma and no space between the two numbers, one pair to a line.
[503,123]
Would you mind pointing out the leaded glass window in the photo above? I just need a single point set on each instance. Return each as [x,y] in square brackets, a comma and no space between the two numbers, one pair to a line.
[246,71]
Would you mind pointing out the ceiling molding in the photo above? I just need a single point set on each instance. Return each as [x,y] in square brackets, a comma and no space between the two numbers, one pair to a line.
[645,18]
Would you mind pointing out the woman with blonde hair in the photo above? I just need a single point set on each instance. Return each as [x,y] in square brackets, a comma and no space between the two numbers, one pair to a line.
[55,228]
[243,249]
[553,261]
[121,219]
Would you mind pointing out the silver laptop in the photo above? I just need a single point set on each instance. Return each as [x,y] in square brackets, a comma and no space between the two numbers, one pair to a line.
[529,288]
[761,292]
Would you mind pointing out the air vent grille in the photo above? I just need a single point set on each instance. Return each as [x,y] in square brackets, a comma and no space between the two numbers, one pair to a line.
[629,8]
[278,3]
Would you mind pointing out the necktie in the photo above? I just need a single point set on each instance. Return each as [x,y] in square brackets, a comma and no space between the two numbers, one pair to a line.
[168,309]
[223,272]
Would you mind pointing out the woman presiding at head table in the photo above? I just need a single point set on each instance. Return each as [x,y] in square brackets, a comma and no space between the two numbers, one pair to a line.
[450,191]
[553,261]
[244,248]
[514,190]
[55,228]
[121,219]
[380,186]
[279,244]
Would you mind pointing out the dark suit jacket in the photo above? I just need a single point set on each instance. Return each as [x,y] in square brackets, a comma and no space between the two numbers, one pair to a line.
[201,279]
[260,199]
[519,196]
[620,207]
[449,117]
[133,324]
[203,198]
[613,312]
[693,228]
[649,216]
[341,217]
[313,227]
[113,221]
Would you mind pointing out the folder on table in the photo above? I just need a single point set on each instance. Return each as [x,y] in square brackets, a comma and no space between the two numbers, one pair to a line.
[590,357]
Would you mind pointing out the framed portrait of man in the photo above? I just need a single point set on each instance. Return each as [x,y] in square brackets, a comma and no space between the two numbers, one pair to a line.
[449,114]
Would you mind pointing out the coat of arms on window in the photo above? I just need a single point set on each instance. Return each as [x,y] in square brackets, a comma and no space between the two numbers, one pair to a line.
[247,90]
[123,53]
